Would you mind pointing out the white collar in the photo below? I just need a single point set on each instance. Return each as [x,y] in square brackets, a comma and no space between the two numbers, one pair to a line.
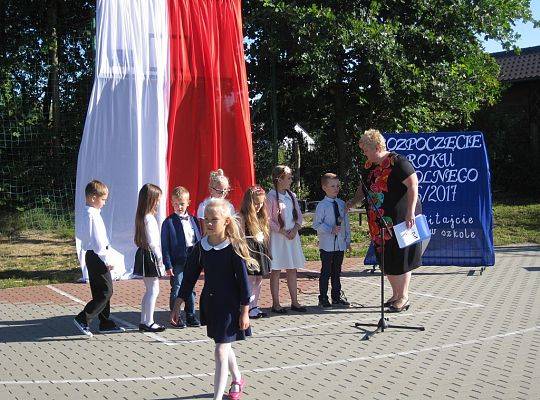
[93,210]
[207,246]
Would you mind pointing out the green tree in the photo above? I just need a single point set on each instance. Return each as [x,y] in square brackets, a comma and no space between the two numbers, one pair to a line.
[46,71]
[344,66]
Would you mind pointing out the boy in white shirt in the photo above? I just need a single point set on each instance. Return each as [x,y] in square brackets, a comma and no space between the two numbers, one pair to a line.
[332,225]
[95,243]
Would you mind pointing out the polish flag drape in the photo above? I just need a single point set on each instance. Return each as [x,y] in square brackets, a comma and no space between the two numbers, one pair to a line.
[169,104]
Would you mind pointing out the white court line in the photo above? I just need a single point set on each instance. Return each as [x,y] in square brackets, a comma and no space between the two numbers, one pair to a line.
[430,295]
[116,319]
[173,342]
[275,368]
[314,326]
[410,291]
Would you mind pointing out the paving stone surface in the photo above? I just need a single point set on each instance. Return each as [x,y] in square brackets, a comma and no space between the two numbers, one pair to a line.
[481,341]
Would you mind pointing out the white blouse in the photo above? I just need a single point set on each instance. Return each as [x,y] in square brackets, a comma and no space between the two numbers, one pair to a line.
[153,236]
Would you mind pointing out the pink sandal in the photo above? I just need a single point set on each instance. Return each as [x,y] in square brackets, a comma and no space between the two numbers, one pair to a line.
[236,395]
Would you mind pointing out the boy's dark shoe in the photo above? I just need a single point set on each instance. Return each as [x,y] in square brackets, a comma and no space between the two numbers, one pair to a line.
[110,327]
[82,326]
[180,324]
[324,303]
[341,302]
[192,321]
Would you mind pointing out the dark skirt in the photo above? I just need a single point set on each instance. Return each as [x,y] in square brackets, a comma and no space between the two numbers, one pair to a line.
[222,319]
[399,261]
[146,264]
[259,252]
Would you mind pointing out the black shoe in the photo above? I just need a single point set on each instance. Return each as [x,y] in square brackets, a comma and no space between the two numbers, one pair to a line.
[180,324]
[82,326]
[388,303]
[324,303]
[404,307]
[341,302]
[260,314]
[152,328]
[111,329]
[281,310]
[192,321]
[298,309]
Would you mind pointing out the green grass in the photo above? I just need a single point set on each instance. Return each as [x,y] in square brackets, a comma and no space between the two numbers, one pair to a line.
[47,255]
[37,258]
[516,222]
[359,235]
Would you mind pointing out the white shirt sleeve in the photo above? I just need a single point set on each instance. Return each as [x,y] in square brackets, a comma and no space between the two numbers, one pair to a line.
[153,236]
[98,238]
[200,210]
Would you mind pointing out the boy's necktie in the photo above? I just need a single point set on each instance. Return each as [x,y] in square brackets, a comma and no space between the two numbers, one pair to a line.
[336,213]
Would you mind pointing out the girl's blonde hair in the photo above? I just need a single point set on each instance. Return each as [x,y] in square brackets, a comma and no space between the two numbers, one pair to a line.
[372,138]
[254,221]
[217,176]
[233,232]
[278,172]
[148,198]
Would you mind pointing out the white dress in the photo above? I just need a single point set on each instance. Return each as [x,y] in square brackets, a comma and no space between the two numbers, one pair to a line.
[286,254]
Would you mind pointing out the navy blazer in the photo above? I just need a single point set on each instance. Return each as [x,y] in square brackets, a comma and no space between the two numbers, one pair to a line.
[173,240]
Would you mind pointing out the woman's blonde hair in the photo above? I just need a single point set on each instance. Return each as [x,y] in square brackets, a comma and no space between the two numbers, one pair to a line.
[218,176]
[372,138]
[148,198]
[277,173]
[254,221]
[233,232]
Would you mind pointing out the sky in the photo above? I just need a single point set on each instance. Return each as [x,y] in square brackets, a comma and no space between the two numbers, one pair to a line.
[529,35]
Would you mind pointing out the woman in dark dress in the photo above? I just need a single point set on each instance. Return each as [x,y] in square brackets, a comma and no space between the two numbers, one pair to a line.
[223,255]
[393,185]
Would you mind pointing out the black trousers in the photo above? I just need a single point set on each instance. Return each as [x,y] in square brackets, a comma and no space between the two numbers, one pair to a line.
[101,287]
[330,270]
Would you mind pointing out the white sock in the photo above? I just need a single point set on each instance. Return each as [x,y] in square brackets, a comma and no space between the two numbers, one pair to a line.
[221,355]
[148,303]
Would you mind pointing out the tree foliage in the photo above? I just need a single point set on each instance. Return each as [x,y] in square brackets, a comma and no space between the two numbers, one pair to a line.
[46,70]
[398,65]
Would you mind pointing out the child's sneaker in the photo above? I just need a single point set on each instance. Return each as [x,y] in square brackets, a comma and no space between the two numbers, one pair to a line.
[324,303]
[341,302]
[180,324]
[82,326]
[192,321]
[110,328]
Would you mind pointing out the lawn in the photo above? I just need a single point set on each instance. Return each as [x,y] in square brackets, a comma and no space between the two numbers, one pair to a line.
[43,257]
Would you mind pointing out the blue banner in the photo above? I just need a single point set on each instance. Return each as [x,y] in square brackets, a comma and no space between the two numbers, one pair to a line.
[454,185]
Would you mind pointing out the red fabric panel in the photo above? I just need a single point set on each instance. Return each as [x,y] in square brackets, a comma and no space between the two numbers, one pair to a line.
[209,125]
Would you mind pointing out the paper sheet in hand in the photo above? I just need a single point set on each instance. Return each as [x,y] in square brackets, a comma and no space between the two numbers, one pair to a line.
[419,232]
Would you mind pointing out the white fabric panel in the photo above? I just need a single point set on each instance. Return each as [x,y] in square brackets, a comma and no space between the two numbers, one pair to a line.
[124,142]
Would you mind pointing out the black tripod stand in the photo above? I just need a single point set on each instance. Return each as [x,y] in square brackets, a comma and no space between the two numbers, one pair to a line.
[383,228]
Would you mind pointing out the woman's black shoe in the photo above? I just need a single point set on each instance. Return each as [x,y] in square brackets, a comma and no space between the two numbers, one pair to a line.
[404,307]
[281,310]
[298,309]
[388,303]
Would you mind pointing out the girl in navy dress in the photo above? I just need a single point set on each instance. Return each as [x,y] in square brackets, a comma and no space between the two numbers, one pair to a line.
[223,255]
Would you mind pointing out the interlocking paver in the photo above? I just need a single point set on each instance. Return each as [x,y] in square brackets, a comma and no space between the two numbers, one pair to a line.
[482,340]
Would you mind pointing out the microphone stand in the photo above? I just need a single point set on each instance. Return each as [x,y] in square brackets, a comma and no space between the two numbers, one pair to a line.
[383,227]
